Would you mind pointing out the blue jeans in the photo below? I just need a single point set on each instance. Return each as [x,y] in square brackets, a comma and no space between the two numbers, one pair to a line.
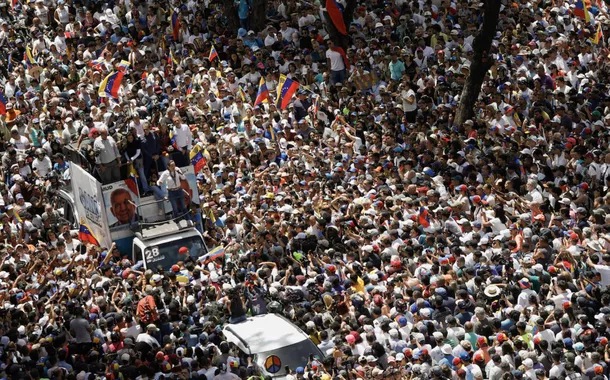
[143,180]
[176,198]
[337,77]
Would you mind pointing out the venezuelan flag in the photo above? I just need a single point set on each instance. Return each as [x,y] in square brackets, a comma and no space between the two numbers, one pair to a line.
[263,93]
[2,104]
[27,57]
[599,35]
[212,255]
[131,180]
[85,235]
[213,53]
[336,15]
[285,91]
[241,94]
[197,159]
[423,217]
[123,65]
[581,11]
[111,84]
[272,135]
[97,63]
[175,25]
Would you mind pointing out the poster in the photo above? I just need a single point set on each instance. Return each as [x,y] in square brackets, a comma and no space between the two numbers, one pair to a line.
[365,81]
[121,200]
[89,206]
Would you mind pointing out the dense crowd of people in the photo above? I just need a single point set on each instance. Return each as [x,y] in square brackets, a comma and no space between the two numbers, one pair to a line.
[404,245]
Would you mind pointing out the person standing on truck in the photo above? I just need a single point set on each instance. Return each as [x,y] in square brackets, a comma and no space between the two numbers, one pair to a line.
[183,141]
[107,157]
[172,177]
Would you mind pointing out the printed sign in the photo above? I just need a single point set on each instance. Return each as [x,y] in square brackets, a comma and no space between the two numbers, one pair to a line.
[365,81]
[121,199]
[90,209]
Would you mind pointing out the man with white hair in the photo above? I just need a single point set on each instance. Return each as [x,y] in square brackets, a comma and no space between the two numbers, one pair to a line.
[533,195]
[107,157]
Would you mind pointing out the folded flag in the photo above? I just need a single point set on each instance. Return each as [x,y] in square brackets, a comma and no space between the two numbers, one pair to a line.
[2,104]
[175,25]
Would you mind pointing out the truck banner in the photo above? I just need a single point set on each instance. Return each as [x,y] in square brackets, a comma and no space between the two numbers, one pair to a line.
[89,205]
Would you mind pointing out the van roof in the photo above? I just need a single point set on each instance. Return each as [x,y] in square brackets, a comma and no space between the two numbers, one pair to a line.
[266,332]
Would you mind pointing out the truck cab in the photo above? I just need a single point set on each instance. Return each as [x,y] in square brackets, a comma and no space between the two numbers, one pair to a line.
[158,245]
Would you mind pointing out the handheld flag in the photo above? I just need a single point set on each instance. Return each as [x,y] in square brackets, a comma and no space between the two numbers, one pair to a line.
[272,135]
[97,63]
[123,65]
[189,89]
[241,94]
[213,54]
[423,217]
[336,15]
[212,255]
[521,168]
[263,93]
[285,91]
[111,84]
[85,235]
[581,11]
[2,104]
[27,57]
[14,3]
[197,158]
[599,35]
[175,25]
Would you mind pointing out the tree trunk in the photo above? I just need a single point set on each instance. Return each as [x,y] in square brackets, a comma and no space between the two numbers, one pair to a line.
[482,61]
[229,10]
[348,15]
[258,16]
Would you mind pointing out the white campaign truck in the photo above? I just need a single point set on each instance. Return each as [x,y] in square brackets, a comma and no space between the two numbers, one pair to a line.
[151,237]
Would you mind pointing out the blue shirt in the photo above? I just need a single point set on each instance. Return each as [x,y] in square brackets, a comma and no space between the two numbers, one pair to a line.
[396,69]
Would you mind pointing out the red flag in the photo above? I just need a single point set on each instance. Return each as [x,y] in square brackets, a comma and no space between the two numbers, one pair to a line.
[336,15]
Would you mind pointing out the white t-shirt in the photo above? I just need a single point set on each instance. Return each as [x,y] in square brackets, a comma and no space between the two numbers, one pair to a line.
[405,105]
[336,60]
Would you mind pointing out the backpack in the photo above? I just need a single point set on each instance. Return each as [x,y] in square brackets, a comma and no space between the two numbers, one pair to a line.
[147,310]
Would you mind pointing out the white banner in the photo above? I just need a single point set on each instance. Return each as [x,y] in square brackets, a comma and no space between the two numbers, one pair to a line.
[89,204]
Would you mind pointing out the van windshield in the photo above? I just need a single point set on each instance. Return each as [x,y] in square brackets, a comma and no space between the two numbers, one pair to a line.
[293,356]
[166,254]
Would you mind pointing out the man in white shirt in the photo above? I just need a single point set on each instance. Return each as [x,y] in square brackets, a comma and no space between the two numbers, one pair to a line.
[183,138]
[172,178]
[148,338]
[336,64]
